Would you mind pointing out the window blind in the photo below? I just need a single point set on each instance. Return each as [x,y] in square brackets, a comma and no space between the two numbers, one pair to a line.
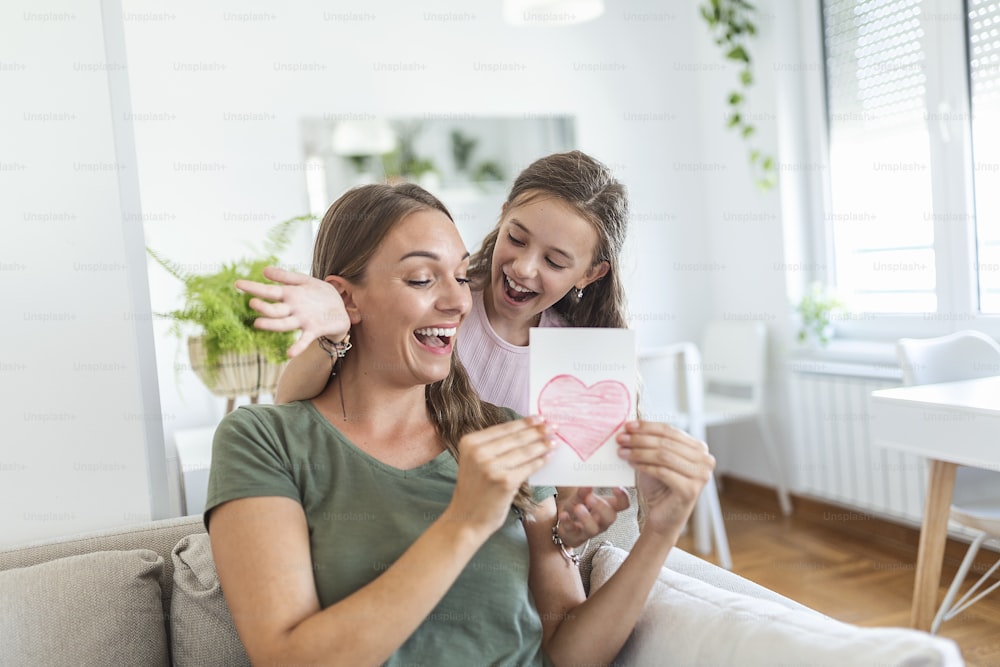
[984,47]
[882,218]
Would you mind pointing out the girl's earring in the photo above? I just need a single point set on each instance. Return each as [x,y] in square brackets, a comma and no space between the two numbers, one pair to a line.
[579,293]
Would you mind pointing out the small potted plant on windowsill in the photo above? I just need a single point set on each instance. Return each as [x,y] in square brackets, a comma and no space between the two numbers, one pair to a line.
[230,355]
[815,311]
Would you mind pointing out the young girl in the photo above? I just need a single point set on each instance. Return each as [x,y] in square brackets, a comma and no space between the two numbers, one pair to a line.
[551,261]
[374,524]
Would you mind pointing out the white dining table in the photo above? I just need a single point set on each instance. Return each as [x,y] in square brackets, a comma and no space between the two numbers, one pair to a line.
[951,424]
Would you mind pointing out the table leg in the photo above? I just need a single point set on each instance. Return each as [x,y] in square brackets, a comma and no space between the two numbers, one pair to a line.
[933,535]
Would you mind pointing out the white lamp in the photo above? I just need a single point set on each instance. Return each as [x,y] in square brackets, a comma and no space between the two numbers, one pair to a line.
[551,12]
[363,137]
[359,140]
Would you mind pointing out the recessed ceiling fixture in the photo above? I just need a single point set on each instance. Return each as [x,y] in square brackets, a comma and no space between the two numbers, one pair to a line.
[551,12]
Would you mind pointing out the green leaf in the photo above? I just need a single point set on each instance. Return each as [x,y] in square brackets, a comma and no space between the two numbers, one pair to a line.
[279,235]
[174,269]
[748,131]
[734,120]
[746,77]
[765,184]
[738,53]
[767,164]
[735,99]
[754,155]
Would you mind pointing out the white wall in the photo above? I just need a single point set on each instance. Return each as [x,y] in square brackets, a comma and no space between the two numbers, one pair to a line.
[759,243]
[82,443]
[642,82]
[208,181]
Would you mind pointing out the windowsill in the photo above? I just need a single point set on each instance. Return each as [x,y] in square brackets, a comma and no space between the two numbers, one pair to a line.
[888,328]
[850,357]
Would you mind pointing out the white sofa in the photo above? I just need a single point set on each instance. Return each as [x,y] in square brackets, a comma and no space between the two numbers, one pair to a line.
[148,595]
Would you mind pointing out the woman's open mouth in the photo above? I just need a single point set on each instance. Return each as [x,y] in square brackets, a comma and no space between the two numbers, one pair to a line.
[436,336]
[515,292]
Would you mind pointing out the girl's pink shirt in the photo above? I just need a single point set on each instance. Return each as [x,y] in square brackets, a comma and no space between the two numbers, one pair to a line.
[499,370]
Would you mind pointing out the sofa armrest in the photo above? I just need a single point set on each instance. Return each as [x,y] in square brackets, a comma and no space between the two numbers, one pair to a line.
[690,621]
[698,568]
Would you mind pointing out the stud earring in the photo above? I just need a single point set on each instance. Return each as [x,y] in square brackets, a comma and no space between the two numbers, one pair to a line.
[579,293]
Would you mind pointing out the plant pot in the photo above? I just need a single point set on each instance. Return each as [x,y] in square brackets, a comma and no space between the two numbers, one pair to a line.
[235,374]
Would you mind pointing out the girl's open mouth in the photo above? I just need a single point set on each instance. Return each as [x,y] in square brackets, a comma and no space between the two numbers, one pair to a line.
[515,292]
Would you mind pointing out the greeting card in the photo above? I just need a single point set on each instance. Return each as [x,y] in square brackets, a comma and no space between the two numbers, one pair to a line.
[583,381]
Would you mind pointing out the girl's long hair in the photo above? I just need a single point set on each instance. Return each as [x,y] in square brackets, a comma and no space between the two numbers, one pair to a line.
[589,187]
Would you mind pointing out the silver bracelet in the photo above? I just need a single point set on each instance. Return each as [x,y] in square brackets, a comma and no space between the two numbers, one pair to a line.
[572,556]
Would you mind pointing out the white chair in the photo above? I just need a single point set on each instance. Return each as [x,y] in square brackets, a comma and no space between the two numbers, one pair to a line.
[658,368]
[734,354]
[963,355]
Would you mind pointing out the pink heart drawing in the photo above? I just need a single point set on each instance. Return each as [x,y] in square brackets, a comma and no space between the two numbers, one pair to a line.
[586,416]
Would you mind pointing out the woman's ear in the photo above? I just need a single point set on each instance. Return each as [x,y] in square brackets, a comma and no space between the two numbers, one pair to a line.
[345,289]
[596,272]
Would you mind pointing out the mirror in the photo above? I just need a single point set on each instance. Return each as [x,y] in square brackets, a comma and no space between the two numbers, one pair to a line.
[468,162]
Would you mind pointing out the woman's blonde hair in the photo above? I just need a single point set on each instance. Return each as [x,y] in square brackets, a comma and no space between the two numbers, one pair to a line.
[350,233]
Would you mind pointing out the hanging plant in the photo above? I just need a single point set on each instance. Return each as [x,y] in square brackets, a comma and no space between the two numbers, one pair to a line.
[732,27]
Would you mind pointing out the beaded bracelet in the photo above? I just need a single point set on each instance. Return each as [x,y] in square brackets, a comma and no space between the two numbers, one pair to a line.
[335,350]
[340,349]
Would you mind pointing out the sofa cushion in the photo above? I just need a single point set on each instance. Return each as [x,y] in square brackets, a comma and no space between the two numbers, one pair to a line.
[160,536]
[689,622]
[101,608]
[201,629]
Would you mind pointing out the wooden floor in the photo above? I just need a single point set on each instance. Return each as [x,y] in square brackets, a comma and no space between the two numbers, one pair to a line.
[842,574]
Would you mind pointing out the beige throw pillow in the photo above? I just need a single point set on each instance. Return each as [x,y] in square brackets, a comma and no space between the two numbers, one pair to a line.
[101,608]
[201,628]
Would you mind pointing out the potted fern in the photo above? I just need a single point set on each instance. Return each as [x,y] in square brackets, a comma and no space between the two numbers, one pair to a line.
[228,354]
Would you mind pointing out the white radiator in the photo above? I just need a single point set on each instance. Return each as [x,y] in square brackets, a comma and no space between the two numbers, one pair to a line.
[834,457]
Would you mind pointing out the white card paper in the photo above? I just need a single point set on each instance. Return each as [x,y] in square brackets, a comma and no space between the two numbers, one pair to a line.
[583,381]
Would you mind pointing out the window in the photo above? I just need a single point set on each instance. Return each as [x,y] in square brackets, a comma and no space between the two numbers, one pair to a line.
[984,66]
[913,219]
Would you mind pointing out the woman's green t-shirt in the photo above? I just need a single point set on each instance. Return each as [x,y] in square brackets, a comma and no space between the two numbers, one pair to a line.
[363,514]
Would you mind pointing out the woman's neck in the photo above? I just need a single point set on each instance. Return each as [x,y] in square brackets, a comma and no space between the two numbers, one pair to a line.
[389,423]
[354,396]
[514,332]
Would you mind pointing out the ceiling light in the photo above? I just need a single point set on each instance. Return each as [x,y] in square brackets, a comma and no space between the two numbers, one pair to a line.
[551,12]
